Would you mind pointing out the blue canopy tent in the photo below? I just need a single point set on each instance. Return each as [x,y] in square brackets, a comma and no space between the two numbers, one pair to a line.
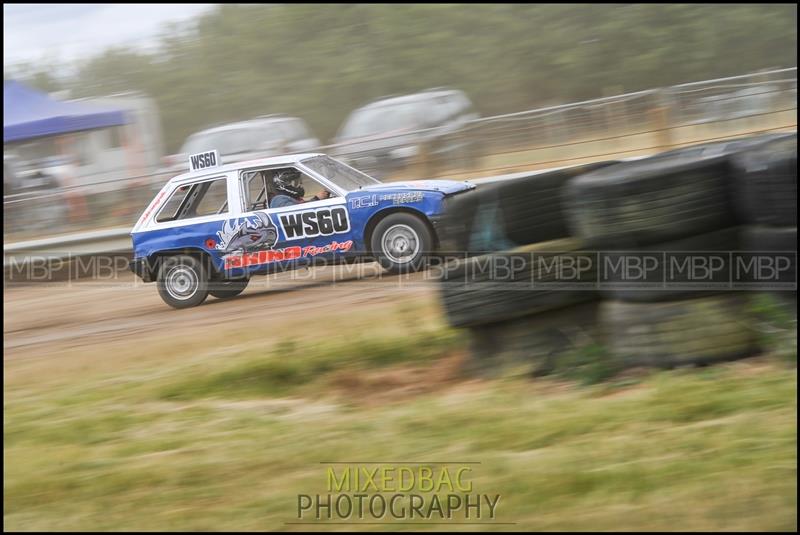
[28,113]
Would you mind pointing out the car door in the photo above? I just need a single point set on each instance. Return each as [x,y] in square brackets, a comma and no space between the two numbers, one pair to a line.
[288,237]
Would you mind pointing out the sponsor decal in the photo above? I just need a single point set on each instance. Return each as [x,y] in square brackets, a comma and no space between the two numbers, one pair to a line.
[251,233]
[287,253]
[313,223]
[203,160]
[364,202]
[153,206]
[395,198]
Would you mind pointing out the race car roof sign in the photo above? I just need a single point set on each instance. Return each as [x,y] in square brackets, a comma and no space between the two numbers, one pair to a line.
[204,160]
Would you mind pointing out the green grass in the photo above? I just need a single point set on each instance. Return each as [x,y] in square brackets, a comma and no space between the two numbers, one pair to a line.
[777,318]
[228,442]
[290,366]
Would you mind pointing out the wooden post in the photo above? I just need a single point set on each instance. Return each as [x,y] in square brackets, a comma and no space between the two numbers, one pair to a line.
[660,124]
[77,208]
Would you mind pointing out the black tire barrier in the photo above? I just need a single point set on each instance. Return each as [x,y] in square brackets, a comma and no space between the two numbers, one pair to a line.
[766,239]
[679,269]
[526,280]
[530,345]
[679,333]
[783,242]
[500,215]
[727,147]
[658,199]
[766,182]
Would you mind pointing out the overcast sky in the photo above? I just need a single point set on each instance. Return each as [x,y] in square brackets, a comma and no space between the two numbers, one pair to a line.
[64,32]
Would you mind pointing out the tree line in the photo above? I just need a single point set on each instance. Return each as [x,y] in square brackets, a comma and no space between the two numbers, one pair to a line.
[320,62]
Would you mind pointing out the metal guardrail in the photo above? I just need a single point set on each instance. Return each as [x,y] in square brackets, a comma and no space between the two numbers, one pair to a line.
[108,241]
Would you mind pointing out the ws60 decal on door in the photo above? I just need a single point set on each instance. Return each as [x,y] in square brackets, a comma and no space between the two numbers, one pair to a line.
[313,223]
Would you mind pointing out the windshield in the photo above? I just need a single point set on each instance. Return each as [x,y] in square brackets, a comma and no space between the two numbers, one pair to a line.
[232,141]
[340,174]
[383,120]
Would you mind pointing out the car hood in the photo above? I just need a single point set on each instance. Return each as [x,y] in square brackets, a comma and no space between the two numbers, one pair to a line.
[448,187]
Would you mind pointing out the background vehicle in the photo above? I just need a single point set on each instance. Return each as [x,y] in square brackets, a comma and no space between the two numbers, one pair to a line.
[392,132]
[264,136]
[33,189]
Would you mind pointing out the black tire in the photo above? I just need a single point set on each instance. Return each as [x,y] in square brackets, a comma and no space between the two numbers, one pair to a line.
[182,281]
[765,239]
[766,182]
[728,147]
[228,288]
[530,345]
[527,280]
[678,333]
[666,281]
[658,199]
[401,242]
[782,241]
[500,215]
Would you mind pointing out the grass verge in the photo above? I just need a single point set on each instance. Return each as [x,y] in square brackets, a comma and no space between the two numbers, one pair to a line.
[230,442]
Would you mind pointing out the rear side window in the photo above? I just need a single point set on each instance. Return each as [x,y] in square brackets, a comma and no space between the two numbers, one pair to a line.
[195,200]
[464,105]
[282,130]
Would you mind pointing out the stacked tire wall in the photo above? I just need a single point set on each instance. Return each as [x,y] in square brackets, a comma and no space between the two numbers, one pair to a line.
[495,233]
[765,197]
[725,198]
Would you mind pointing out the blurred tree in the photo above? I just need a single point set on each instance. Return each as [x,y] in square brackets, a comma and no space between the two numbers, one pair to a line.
[322,61]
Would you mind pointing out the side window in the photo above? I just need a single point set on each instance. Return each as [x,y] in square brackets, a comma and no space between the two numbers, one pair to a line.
[449,105]
[283,130]
[255,186]
[309,186]
[439,109]
[195,200]
[465,108]
[169,211]
[301,132]
[214,200]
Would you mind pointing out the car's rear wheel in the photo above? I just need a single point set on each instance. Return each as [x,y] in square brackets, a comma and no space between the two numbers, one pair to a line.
[228,288]
[182,281]
[401,243]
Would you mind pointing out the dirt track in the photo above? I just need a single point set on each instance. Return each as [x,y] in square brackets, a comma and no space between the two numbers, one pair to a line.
[47,319]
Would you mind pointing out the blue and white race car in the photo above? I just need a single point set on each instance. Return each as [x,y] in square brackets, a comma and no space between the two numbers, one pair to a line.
[207,231]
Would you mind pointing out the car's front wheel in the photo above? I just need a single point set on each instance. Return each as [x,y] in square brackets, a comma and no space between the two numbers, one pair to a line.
[182,281]
[401,243]
[228,288]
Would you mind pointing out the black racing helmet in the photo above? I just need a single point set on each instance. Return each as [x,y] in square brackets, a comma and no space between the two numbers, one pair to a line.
[287,181]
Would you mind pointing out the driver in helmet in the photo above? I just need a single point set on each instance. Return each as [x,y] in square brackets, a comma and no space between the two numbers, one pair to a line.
[289,191]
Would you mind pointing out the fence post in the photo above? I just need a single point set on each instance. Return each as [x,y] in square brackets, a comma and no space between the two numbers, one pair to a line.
[660,123]
[425,159]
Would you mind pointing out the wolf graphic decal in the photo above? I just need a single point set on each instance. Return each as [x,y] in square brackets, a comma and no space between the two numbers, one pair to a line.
[252,233]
